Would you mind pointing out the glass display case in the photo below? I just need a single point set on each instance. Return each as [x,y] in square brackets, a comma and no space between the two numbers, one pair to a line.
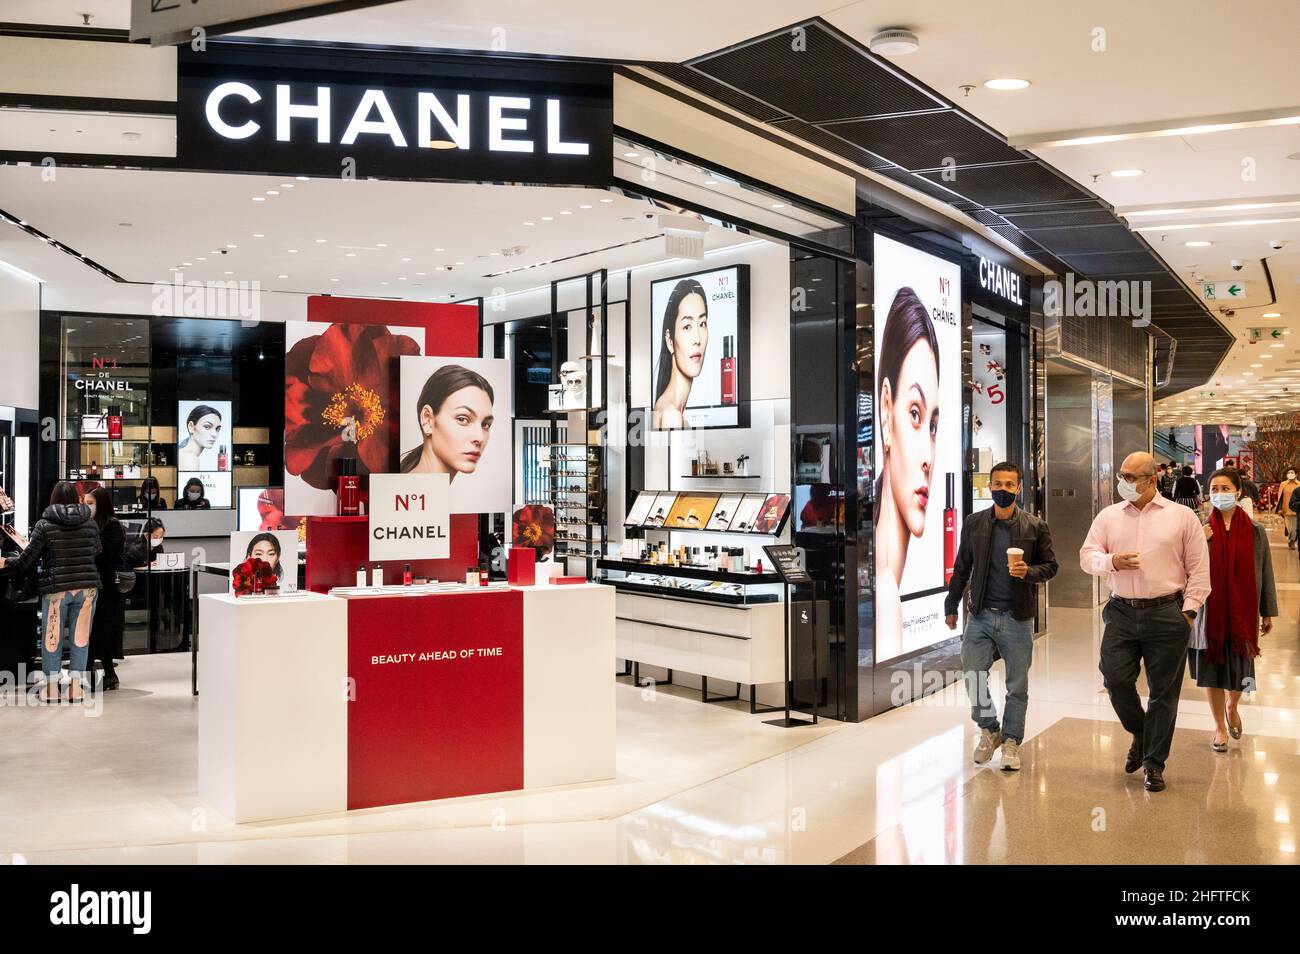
[742,588]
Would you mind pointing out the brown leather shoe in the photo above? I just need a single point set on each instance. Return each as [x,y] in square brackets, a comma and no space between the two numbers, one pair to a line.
[1154,781]
[1134,760]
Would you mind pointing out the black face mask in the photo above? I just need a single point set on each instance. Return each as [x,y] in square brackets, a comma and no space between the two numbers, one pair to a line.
[1003,498]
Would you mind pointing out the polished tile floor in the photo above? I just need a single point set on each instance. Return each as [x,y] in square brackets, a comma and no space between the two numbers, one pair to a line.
[712,784]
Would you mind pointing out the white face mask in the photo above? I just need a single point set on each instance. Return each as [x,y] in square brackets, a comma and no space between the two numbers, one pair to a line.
[1128,491]
[1223,501]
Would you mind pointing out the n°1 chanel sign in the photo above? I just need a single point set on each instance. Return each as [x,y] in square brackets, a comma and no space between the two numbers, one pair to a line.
[340,113]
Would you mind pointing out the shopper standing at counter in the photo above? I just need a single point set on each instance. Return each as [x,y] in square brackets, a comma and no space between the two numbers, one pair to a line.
[65,541]
[1004,553]
[1152,552]
[193,497]
[106,629]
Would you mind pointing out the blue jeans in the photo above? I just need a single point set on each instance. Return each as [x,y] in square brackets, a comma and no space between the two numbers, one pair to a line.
[68,613]
[991,633]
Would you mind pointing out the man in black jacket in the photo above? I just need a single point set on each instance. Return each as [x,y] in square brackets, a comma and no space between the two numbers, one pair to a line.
[1004,553]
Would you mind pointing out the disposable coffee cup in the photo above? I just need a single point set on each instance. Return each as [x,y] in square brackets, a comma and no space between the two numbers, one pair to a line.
[1014,556]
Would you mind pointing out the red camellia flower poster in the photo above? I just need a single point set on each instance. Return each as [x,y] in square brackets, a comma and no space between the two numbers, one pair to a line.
[340,379]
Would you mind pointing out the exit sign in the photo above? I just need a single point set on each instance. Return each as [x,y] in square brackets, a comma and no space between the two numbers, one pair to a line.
[1266,334]
[1223,291]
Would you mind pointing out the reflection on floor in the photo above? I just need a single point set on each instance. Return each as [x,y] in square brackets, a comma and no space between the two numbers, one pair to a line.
[705,783]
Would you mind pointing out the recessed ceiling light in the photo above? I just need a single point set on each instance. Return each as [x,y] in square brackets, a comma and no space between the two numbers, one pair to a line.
[1198,244]
[584,207]
[232,246]
[284,276]
[401,278]
[301,178]
[259,198]
[406,259]
[201,258]
[631,155]
[333,279]
[1257,366]
[293,251]
[1126,173]
[606,200]
[286,185]
[566,212]
[351,255]
[187,264]
[258,235]
[460,263]
[530,223]
[272,192]
[1006,83]
[1275,346]
[440,250]
[548,218]
[439,268]
[230,273]
[1248,374]
[383,283]
[1272,314]
[778,205]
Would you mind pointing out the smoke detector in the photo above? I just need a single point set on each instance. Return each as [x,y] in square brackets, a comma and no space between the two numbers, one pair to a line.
[894,41]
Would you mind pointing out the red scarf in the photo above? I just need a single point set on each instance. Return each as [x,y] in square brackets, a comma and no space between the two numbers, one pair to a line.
[1232,611]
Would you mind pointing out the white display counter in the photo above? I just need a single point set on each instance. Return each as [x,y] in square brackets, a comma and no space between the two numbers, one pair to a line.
[314,703]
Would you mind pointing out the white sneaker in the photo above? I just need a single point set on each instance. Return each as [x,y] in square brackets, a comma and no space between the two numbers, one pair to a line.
[988,744]
[1011,756]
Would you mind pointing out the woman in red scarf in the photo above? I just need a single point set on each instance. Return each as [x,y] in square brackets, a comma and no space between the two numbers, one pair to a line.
[1241,607]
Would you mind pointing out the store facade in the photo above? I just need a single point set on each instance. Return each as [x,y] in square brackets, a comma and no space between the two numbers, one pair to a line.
[659,474]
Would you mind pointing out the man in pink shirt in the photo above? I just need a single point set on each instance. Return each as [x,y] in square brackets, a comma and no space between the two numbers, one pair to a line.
[1153,553]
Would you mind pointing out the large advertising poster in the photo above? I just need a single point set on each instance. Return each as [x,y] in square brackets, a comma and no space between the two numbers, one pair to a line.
[278,548]
[455,420]
[203,436]
[700,341]
[339,380]
[919,444]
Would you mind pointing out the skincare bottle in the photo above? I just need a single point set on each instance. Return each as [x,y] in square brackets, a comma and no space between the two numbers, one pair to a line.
[347,489]
[724,561]
[482,574]
[223,459]
[377,575]
[406,575]
[728,370]
[471,576]
[361,574]
[949,528]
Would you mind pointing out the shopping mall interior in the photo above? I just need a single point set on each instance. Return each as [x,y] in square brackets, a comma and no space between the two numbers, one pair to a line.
[432,436]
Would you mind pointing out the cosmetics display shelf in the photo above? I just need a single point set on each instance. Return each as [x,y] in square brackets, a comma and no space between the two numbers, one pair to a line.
[698,596]
[687,572]
[731,533]
[721,476]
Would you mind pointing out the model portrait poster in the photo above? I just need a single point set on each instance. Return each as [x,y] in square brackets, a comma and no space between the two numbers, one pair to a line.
[699,326]
[279,548]
[203,435]
[340,380]
[918,462]
[456,420]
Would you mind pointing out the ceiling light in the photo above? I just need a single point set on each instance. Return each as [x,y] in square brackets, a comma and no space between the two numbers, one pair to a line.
[258,235]
[293,251]
[1199,244]
[272,192]
[1257,366]
[1248,374]
[439,268]
[440,250]
[1126,173]
[894,41]
[284,276]
[1006,83]
[631,155]
[406,259]
[548,218]
[187,264]
[351,255]
[529,223]
[230,273]
[320,241]
[1275,346]
[259,198]
[606,200]
[778,205]
[333,279]
[1272,314]
[201,258]
[401,278]
[286,185]
[301,178]
[584,207]
[232,246]
[566,212]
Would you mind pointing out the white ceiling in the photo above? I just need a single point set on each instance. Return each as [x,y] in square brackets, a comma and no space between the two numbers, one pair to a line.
[1166,64]
[364,238]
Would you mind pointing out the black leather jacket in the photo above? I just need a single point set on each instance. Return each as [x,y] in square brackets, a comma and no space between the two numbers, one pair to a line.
[66,541]
[972,564]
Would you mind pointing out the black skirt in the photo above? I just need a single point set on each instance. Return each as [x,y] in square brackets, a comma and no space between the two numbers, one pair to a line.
[1235,673]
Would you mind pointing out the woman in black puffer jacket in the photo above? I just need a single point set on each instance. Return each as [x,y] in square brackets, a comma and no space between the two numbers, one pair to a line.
[66,542]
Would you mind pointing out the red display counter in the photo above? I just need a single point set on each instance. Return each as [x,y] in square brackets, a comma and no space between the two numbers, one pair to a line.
[415,697]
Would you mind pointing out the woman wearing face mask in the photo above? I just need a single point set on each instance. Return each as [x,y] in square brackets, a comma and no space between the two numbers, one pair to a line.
[1284,507]
[154,533]
[908,382]
[150,495]
[192,497]
[106,629]
[1240,608]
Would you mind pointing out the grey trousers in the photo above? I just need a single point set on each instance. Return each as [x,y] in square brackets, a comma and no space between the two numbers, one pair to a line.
[1157,637]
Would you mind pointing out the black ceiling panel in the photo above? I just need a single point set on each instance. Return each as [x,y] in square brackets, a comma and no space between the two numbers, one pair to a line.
[1109,264]
[719,91]
[1050,220]
[928,140]
[1068,205]
[995,185]
[1090,238]
[825,137]
[937,190]
[817,79]
[985,217]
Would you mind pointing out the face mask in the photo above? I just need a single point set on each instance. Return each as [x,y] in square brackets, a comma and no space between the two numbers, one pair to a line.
[1128,491]
[1225,501]
[192,494]
[92,509]
[156,544]
[1003,498]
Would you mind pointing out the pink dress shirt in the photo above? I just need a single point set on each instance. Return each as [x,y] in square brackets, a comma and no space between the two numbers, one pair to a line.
[1169,541]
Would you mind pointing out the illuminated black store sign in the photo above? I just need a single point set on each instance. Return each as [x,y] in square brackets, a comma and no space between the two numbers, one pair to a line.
[1001,281]
[341,114]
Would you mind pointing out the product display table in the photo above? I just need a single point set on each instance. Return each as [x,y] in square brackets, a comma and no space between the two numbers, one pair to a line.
[318,703]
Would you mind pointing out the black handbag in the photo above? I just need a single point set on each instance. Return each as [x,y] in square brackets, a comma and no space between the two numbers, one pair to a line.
[125,581]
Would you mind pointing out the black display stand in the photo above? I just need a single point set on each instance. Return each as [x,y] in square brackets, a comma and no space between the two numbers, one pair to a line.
[787,562]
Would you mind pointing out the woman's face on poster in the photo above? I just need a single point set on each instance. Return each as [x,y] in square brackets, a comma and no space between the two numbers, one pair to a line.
[265,551]
[913,426]
[206,430]
[458,432]
[690,335]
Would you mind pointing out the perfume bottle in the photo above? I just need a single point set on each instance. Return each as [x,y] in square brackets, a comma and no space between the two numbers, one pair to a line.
[729,370]
[377,575]
[114,423]
[406,575]
[482,574]
[223,459]
[361,574]
[949,528]
[347,489]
